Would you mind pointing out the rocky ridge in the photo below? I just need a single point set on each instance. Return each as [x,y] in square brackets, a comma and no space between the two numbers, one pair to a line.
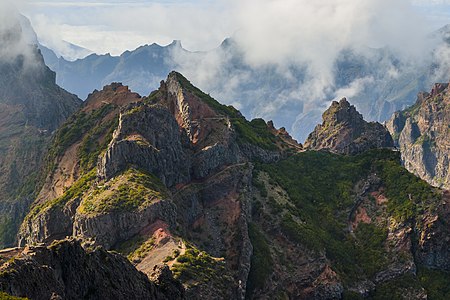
[237,209]
[422,134]
[182,150]
[344,131]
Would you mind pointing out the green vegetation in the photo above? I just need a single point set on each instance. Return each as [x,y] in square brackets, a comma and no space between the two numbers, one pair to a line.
[370,247]
[412,110]
[261,261]
[8,229]
[75,191]
[5,296]
[436,283]
[198,266]
[127,191]
[142,250]
[94,142]
[255,132]
[408,195]
[153,98]
[396,289]
[320,185]
[78,125]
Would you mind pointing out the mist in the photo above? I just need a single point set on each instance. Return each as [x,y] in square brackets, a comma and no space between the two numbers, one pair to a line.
[309,38]
[285,58]
[14,42]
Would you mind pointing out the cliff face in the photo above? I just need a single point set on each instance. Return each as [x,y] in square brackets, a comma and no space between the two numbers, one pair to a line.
[32,106]
[344,131]
[64,270]
[423,136]
[147,172]
[235,208]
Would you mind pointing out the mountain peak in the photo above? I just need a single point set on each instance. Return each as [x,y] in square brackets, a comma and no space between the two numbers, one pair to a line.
[115,93]
[342,112]
[344,131]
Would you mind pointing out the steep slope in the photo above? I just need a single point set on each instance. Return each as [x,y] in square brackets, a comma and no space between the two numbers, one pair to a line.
[140,174]
[64,270]
[326,226]
[344,131]
[422,133]
[32,106]
[235,208]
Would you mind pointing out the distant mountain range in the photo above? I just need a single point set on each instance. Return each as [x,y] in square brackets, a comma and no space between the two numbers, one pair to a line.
[377,81]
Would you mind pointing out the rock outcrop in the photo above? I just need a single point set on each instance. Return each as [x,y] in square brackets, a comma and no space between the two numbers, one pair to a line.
[422,134]
[64,270]
[32,106]
[235,209]
[344,131]
[168,166]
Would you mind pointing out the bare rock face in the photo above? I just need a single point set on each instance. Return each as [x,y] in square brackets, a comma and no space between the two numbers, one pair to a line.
[65,270]
[433,250]
[147,137]
[422,134]
[344,131]
[113,228]
[173,173]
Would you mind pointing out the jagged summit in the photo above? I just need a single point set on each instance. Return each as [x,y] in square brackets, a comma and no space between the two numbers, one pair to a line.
[344,131]
[342,112]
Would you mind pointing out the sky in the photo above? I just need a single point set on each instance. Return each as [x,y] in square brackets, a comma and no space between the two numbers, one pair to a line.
[116,26]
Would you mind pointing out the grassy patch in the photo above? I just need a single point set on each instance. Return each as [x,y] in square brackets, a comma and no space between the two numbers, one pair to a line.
[125,192]
[198,266]
[94,142]
[76,126]
[76,190]
[142,250]
[5,296]
[73,130]
[370,245]
[395,289]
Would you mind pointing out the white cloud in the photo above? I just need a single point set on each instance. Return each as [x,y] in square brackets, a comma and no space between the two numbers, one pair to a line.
[120,26]
[270,33]
[14,43]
